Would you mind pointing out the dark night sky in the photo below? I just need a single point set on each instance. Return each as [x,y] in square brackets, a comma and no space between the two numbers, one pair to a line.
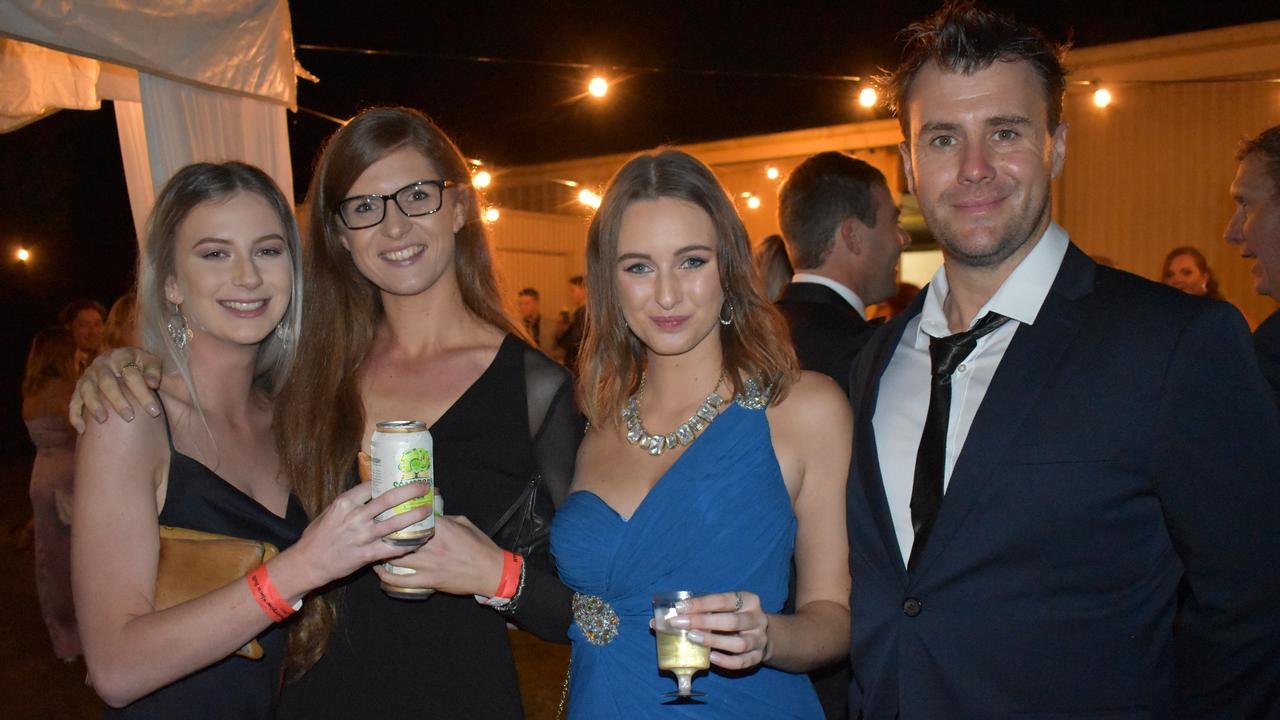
[63,186]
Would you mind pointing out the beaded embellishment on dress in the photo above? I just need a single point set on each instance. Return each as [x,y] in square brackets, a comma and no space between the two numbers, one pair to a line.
[596,618]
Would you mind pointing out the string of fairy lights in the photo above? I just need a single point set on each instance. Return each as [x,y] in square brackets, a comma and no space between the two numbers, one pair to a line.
[597,84]
[599,80]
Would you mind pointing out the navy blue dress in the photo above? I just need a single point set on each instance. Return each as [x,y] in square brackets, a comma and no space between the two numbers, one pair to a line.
[720,519]
[236,687]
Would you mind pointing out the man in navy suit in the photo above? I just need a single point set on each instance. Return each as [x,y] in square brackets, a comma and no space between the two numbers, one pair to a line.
[841,229]
[1033,504]
[1255,227]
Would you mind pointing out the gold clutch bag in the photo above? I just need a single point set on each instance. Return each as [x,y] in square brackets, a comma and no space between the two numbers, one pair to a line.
[194,563]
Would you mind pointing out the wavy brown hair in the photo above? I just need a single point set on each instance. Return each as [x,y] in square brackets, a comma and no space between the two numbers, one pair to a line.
[755,345]
[320,416]
[52,357]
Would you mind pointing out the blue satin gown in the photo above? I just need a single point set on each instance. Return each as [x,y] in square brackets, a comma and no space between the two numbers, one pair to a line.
[720,519]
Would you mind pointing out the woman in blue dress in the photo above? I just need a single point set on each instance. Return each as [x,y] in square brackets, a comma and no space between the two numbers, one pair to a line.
[711,461]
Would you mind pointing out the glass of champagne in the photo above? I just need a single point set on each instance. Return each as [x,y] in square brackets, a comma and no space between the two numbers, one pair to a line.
[678,654]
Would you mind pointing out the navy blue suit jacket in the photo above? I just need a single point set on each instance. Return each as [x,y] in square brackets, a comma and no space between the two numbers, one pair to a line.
[1122,471]
[826,331]
[1266,341]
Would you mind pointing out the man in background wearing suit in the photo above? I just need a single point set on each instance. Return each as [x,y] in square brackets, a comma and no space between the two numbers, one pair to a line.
[1255,227]
[1033,501]
[840,226]
[841,229]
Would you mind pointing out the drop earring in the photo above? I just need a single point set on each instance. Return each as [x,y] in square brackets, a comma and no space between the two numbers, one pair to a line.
[179,331]
[726,320]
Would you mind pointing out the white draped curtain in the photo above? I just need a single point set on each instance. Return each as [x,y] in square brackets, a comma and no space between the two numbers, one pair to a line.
[191,80]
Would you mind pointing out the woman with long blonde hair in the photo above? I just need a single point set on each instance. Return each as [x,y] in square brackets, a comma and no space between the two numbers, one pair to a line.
[219,295]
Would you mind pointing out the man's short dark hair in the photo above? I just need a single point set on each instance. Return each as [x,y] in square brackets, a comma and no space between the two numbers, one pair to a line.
[963,38]
[1266,145]
[822,192]
[576,280]
[68,314]
[529,292]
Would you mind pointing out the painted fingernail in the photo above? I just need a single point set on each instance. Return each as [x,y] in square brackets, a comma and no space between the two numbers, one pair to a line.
[127,415]
[682,606]
[679,621]
[100,416]
[695,636]
[153,410]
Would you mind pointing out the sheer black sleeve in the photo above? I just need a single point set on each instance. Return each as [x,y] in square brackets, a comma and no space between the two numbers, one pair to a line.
[555,424]
[556,427]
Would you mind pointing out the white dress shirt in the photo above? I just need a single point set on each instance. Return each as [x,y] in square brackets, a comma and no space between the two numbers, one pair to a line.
[904,390]
[849,296]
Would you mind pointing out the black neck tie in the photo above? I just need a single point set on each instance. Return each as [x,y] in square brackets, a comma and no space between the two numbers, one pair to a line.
[945,354]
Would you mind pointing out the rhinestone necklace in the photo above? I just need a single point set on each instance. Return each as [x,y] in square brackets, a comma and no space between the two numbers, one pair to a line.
[682,435]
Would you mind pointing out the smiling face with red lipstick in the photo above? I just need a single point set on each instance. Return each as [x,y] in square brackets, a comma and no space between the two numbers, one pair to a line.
[232,269]
[981,157]
[668,280]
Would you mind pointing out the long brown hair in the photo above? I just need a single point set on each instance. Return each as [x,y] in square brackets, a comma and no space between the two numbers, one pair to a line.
[52,357]
[755,344]
[320,416]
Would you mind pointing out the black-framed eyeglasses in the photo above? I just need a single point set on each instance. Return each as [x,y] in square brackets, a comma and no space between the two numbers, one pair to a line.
[423,197]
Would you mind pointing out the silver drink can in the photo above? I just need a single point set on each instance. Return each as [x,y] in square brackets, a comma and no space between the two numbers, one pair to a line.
[401,453]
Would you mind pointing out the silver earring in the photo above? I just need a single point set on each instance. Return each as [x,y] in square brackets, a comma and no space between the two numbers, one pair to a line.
[179,332]
[283,334]
[726,320]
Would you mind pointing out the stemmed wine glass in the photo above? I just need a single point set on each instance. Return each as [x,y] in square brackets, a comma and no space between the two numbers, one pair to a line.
[676,652]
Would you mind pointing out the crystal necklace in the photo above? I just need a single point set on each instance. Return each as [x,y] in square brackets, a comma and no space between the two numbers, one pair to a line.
[682,435]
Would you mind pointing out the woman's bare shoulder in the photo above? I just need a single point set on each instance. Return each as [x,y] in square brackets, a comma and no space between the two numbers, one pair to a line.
[813,394]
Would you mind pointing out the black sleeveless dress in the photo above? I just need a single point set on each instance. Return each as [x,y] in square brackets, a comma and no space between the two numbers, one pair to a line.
[448,656]
[235,687]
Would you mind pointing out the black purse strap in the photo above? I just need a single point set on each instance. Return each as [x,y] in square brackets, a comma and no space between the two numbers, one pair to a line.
[520,502]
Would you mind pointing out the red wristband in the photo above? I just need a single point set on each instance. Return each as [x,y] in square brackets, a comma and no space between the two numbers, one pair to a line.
[268,597]
[510,580]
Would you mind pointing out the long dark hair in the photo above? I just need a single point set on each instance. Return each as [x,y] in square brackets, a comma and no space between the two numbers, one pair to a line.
[320,418]
[755,344]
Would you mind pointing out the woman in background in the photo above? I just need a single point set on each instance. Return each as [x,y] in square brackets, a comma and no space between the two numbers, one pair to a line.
[46,388]
[122,322]
[1186,269]
[773,266]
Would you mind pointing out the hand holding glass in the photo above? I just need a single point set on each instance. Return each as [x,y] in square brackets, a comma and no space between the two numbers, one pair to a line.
[676,652]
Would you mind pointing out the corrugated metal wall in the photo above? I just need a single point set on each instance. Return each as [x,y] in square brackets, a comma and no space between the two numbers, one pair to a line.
[1151,172]
[541,251]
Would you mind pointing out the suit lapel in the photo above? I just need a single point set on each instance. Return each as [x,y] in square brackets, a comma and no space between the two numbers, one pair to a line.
[1029,362]
[866,468]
